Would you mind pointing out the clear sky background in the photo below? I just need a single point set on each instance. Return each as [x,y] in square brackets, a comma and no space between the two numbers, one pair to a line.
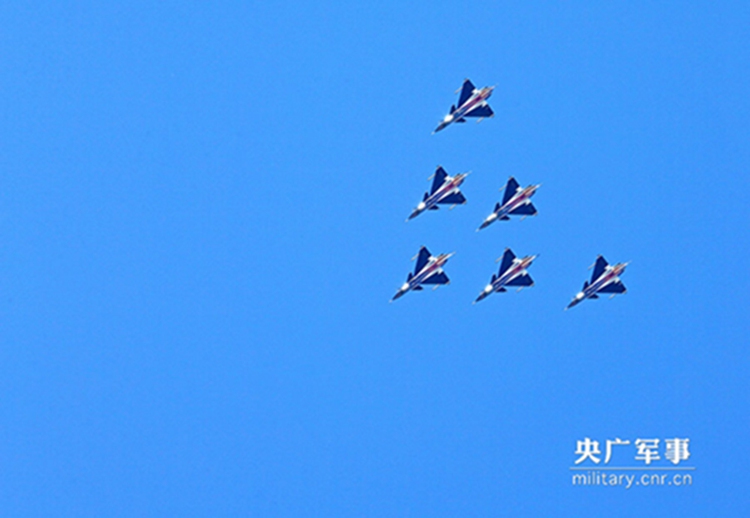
[202,221]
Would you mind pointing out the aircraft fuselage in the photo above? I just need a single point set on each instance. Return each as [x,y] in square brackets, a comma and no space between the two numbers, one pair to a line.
[609,276]
[475,100]
[433,266]
[450,186]
[520,198]
[516,269]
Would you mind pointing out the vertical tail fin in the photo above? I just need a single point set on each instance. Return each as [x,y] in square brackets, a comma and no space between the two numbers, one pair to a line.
[510,189]
[508,258]
[438,179]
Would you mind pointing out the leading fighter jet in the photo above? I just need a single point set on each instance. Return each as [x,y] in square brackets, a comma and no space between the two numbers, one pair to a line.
[429,270]
[516,201]
[512,272]
[444,190]
[604,279]
[471,103]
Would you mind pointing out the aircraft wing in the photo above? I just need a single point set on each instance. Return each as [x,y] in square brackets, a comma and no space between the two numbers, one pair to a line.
[508,257]
[455,198]
[438,278]
[527,209]
[615,287]
[466,90]
[439,180]
[521,280]
[510,189]
[424,256]
[482,110]
[599,266]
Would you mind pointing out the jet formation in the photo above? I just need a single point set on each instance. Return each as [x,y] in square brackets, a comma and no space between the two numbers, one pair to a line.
[471,103]
[604,279]
[516,202]
[512,272]
[428,270]
[444,191]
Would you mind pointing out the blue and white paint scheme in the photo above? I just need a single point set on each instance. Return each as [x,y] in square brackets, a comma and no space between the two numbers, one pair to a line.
[512,273]
[444,191]
[471,103]
[516,202]
[428,270]
[604,279]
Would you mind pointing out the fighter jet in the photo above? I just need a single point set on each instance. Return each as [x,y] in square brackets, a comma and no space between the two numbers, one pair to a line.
[444,191]
[512,272]
[429,270]
[471,103]
[604,279]
[516,201]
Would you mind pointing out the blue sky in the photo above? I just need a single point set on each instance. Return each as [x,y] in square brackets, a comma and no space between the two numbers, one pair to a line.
[202,222]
